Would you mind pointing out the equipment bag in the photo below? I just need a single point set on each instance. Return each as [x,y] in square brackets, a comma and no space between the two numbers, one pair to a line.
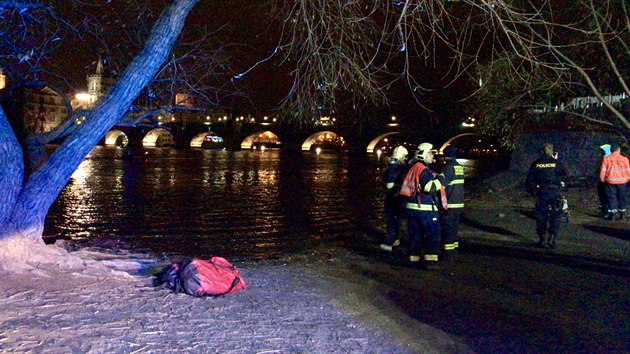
[198,277]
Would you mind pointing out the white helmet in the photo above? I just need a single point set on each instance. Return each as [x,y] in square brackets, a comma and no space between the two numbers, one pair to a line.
[423,150]
[399,153]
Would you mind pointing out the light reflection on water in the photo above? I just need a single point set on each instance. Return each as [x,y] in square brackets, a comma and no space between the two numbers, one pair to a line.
[203,202]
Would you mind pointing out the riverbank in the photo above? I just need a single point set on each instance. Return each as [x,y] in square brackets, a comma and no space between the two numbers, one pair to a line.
[502,295]
[291,306]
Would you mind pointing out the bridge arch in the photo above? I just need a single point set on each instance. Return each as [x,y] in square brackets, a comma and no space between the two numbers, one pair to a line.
[158,137]
[449,141]
[375,141]
[265,138]
[116,137]
[325,137]
[207,140]
[150,121]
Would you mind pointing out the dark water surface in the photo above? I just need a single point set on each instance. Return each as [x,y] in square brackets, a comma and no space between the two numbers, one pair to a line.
[247,204]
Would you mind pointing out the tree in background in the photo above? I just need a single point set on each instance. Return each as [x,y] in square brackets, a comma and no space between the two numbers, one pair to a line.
[561,52]
[526,53]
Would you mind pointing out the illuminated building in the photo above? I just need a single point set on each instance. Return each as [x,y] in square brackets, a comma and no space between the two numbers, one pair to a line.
[43,109]
[3,80]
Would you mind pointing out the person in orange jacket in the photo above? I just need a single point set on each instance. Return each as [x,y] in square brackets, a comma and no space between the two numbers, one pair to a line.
[615,172]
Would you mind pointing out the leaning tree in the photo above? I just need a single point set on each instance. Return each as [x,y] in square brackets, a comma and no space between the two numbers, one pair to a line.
[25,203]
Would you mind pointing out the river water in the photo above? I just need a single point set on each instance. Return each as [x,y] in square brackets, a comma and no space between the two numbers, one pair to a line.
[248,204]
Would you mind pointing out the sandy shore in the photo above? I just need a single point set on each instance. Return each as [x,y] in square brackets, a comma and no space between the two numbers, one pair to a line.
[289,307]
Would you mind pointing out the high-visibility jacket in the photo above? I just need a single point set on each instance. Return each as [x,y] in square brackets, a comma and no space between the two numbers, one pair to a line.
[420,186]
[454,180]
[615,169]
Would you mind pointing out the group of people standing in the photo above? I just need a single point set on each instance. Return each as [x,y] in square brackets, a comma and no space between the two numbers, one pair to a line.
[546,178]
[432,204]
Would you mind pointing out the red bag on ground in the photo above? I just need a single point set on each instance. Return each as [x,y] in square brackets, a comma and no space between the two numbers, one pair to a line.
[203,278]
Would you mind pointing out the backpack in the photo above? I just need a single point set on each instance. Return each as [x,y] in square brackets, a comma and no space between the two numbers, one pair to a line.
[410,189]
[198,277]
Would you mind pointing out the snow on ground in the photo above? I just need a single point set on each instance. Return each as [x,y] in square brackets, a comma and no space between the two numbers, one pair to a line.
[287,308]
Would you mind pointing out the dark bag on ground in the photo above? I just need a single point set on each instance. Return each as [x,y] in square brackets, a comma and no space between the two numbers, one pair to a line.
[198,277]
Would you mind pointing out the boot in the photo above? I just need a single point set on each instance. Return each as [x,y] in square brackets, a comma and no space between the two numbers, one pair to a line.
[551,241]
[431,265]
[414,262]
[384,256]
[609,216]
[448,256]
[620,215]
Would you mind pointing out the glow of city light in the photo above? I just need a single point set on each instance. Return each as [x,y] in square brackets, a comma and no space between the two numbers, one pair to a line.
[82,96]
[469,123]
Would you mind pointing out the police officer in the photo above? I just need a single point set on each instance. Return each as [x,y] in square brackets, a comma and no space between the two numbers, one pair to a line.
[449,220]
[394,211]
[544,180]
[421,189]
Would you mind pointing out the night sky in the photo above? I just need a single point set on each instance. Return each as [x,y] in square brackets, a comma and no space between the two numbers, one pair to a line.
[251,35]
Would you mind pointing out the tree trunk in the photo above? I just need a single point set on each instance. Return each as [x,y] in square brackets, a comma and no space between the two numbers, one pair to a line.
[24,208]
[11,171]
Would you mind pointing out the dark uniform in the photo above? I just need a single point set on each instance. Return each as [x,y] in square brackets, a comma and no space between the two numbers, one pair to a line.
[394,210]
[544,180]
[601,186]
[422,190]
[454,185]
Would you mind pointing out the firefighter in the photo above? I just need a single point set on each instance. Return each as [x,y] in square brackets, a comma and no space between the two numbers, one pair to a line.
[449,219]
[544,180]
[615,172]
[423,192]
[394,211]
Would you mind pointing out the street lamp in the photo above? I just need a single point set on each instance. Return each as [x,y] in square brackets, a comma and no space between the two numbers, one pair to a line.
[393,122]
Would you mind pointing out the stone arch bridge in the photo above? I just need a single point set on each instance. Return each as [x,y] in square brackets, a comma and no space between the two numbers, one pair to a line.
[258,136]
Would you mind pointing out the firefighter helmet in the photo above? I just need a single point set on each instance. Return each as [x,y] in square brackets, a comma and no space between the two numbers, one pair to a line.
[399,153]
[423,150]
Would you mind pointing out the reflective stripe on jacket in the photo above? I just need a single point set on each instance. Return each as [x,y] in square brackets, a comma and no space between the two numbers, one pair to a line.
[454,180]
[419,187]
[615,169]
